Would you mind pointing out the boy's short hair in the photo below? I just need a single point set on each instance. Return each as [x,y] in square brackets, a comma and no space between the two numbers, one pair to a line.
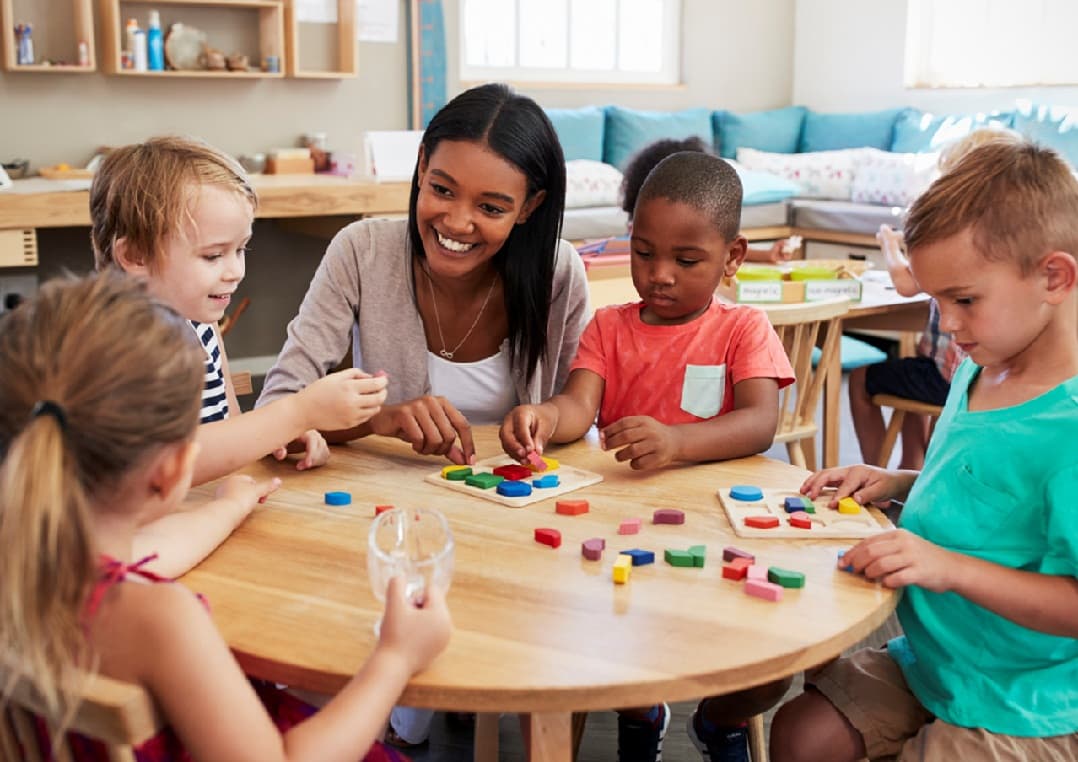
[702,181]
[644,160]
[141,192]
[1019,200]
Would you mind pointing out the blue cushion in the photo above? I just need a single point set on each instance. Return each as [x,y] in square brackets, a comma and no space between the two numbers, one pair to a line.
[629,130]
[918,132]
[764,187]
[580,131]
[830,132]
[854,353]
[777,131]
[1052,126]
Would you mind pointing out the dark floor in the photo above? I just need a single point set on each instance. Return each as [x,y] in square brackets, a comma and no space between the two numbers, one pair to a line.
[452,743]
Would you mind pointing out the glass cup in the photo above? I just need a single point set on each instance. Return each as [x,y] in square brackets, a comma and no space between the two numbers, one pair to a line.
[415,543]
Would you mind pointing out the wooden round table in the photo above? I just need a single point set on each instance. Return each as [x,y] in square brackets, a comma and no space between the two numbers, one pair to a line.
[536,629]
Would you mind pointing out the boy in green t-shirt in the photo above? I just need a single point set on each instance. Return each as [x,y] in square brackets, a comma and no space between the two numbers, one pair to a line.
[987,550]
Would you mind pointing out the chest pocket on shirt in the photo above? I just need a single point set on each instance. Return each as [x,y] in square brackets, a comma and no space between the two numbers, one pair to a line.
[981,517]
[703,390]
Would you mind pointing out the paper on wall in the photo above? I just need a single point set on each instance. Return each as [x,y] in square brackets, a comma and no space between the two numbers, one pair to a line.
[377,20]
[316,11]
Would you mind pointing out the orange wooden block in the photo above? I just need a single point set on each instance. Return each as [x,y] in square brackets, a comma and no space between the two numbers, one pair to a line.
[571,507]
[382,509]
[276,166]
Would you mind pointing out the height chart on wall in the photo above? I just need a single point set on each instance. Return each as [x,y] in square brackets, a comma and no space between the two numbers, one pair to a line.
[427,61]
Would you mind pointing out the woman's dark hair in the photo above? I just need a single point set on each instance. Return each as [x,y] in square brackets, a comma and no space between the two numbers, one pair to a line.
[644,160]
[516,128]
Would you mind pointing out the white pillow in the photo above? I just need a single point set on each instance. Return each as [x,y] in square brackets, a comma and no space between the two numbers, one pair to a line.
[821,174]
[591,183]
[895,179]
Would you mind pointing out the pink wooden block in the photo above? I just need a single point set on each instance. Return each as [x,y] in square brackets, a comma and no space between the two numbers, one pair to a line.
[668,516]
[800,519]
[536,461]
[758,572]
[769,591]
[629,526]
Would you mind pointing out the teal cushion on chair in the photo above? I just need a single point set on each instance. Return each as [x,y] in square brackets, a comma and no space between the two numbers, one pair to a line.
[580,131]
[774,131]
[628,130]
[831,132]
[855,354]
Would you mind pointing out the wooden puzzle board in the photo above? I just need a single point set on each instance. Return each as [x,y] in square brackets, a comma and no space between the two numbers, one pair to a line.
[826,522]
[569,479]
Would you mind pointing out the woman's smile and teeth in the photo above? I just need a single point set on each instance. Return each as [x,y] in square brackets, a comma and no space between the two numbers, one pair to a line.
[453,245]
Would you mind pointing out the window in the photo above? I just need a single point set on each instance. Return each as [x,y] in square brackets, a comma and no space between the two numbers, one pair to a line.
[990,43]
[617,41]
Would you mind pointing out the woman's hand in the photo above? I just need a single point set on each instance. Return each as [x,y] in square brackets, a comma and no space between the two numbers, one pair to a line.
[527,428]
[865,484]
[431,425]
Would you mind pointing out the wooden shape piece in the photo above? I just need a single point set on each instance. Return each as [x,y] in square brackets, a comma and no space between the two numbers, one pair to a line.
[729,553]
[766,590]
[622,567]
[456,473]
[793,504]
[571,507]
[801,520]
[678,558]
[593,549]
[785,577]
[509,488]
[338,498]
[546,481]
[699,554]
[746,493]
[629,526]
[640,557]
[512,472]
[757,572]
[380,509]
[536,462]
[551,537]
[484,480]
[762,522]
[736,569]
[849,506]
[668,516]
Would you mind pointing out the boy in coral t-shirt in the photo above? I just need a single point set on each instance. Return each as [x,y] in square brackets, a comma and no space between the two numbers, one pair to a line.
[677,375]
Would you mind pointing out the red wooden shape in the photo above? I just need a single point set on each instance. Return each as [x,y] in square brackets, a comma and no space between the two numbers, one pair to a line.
[762,522]
[571,507]
[513,472]
[551,537]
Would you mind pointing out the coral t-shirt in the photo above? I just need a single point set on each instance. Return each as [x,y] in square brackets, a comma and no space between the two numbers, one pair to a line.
[679,373]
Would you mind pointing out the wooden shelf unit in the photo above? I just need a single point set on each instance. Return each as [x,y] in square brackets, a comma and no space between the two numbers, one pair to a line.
[82,22]
[345,63]
[270,36]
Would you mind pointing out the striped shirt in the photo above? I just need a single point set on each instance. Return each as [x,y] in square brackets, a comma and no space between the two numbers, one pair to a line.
[214,399]
[939,346]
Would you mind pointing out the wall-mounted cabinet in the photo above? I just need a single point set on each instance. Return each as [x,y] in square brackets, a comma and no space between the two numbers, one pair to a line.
[55,36]
[322,50]
[251,28]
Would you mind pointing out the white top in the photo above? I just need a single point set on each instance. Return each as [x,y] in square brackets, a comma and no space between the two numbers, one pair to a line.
[481,390]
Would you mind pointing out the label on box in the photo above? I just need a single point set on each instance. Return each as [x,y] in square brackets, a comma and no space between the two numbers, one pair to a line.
[817,290]
[759,291]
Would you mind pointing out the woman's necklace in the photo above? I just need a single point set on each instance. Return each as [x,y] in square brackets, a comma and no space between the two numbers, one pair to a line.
[448,353]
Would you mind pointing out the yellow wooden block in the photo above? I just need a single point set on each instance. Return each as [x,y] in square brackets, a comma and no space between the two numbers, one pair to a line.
[622,567]
[449,469]
[551,465]
[848,505]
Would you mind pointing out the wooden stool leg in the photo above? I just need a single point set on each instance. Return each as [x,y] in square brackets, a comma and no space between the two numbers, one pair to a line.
[808,447]
[797,456]
[580,721]
[757,739]
[486,737]
[890,437]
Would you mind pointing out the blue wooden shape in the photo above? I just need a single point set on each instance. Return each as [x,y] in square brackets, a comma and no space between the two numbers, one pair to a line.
[546,481]
[640,557]
[746,493]
[338,498]
[514,489]
[793,504]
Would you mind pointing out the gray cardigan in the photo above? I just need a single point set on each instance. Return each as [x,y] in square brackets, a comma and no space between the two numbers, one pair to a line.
[364,287]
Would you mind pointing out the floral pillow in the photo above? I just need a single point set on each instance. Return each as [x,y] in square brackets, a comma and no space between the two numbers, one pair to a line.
[821,174]
[894,179]
[591,183]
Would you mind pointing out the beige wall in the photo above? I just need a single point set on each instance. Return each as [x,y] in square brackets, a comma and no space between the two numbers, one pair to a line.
[849,56]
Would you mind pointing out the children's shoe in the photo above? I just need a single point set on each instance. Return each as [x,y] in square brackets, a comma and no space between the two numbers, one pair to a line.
[642,740]
[719,745]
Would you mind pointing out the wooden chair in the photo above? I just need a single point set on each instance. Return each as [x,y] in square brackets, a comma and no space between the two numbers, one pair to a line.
[120,715]
[799,327]
[900,406]
[241,382]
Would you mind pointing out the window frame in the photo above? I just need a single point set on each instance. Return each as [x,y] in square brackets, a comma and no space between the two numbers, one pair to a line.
[668,75]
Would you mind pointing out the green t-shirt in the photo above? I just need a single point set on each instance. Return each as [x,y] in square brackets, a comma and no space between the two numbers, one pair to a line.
[1001,485]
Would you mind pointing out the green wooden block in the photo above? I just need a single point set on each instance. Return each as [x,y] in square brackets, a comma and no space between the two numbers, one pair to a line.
[809,507]
[459,474]
[785,577]
[678,558]
[698,553]
[483,480]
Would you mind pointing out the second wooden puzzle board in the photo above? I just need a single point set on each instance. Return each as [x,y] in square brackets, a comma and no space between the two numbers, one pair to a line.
[569,479]
[826,522]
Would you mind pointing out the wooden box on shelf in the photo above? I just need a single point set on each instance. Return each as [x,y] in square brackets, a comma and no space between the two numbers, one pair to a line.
[325,38]
[267,16]
[50,35]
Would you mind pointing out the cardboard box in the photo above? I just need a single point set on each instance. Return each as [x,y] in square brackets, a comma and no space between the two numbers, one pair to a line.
[792,291]
[277,166]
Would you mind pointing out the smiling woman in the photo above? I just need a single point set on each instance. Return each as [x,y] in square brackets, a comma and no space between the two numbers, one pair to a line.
[471,306]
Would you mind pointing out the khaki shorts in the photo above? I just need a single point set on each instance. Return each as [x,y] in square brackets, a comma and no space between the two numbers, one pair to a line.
[869,690]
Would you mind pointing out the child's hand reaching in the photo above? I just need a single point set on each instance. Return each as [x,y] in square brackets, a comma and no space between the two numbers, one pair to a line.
[900,558]
[527,428]
[866,484]
[312,445]
[641,440]
[245,491]
[415,634]
[342,400]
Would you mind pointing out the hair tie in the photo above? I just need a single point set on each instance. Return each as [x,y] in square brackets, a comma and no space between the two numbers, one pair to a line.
[48,407]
